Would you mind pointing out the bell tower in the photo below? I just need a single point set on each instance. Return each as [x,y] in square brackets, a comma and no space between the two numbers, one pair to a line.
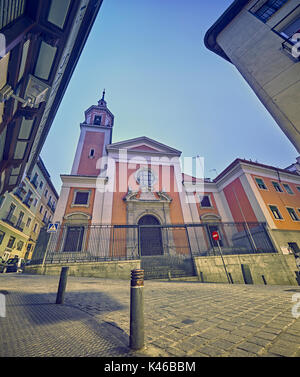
[95,134]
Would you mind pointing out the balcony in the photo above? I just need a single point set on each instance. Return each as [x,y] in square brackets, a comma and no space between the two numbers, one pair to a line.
[14,221]
[9,219]
[20,225]
[20,192]
[51,205]
[34,183]
[28,202]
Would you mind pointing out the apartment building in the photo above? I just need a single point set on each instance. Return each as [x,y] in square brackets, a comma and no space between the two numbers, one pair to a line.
[24,211]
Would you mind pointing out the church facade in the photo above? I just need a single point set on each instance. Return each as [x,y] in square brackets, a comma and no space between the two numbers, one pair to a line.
[139,184]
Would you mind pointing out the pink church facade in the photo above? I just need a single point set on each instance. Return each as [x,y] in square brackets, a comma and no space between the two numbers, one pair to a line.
[139,182]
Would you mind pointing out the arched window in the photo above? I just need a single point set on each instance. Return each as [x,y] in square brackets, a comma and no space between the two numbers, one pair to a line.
[97,120]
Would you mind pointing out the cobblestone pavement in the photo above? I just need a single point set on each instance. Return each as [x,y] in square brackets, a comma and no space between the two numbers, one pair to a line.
[181,318]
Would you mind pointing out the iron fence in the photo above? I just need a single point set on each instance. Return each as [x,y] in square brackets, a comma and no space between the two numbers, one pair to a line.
[84,243]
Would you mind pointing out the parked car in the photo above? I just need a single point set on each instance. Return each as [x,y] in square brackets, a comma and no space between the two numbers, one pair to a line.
[13,265]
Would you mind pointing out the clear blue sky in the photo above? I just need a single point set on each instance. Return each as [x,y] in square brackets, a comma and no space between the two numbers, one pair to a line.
[163,83]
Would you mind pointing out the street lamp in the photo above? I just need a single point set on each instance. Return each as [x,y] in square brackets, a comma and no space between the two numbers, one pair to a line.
[36,92]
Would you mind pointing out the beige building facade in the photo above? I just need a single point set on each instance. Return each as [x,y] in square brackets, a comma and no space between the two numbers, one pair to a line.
[262,39]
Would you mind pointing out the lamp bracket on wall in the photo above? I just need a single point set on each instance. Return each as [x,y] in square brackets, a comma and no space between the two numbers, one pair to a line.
[35,93]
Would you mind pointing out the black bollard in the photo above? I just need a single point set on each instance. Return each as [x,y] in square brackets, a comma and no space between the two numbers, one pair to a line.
[62,285]
[137,310]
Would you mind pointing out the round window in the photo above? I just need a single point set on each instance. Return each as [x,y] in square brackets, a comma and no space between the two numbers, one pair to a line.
[145,178]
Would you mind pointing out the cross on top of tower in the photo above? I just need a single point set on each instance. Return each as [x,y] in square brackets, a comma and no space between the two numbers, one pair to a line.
[102,102]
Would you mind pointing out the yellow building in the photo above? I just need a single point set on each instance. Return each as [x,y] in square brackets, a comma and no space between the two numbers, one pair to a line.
[25,211]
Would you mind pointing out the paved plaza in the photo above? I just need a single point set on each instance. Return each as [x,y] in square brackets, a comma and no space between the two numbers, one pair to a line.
[181,318]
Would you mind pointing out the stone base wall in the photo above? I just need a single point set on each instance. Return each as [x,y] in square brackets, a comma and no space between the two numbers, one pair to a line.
[277,269]
[282,237]
[108,270]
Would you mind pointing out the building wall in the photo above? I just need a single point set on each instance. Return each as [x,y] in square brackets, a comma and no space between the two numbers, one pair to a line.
[277,269]
[73,208]
[124,173]
[202,211]
[272,73]
[238,202]
[87,165]
[8,229]
[281,200]
[104,270]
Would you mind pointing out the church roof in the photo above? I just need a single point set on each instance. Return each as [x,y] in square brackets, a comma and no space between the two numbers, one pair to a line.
[144,145]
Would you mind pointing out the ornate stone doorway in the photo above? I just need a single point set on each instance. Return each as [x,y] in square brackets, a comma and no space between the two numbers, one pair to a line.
[150,237]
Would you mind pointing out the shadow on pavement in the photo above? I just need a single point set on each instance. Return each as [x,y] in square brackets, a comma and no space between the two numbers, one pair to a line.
[36,319]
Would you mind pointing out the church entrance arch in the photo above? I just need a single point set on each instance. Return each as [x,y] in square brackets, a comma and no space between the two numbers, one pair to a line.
[150,237]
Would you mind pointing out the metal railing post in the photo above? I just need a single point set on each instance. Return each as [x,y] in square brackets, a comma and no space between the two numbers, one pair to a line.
[62,285]
[137,310]
[224,265]
[139,241]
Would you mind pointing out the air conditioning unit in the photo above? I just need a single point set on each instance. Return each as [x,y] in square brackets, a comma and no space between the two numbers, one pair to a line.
[292,49]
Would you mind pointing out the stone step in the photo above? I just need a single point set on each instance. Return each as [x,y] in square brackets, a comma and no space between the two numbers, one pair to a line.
[166,273]
[174,271]
[164,266]
[182,278]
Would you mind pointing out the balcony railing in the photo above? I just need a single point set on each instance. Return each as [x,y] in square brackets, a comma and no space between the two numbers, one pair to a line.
[14,221]
[9,218]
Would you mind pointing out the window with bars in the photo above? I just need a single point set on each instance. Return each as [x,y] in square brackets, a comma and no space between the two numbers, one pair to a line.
[266,11]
